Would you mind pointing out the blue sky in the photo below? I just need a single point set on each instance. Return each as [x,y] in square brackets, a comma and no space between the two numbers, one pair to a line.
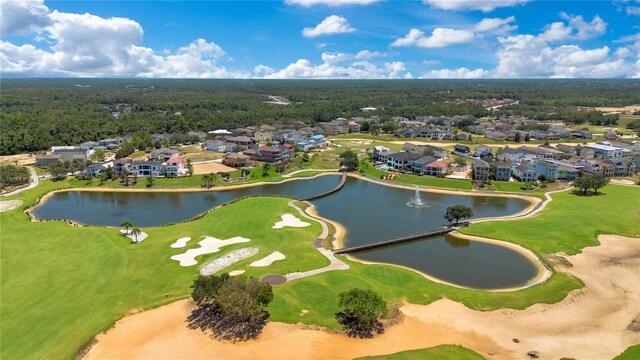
[321,39]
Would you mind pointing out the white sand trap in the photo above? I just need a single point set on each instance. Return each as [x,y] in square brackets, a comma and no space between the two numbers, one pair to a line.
[268,260]
[180,243]
[290,220]
[143,235]
[236,272]
[207,246]
[227,260]
[10,205]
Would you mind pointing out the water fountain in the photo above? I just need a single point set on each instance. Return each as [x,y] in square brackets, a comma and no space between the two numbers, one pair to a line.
[416,201]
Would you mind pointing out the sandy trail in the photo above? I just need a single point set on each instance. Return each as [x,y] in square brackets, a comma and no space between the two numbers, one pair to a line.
[591,323]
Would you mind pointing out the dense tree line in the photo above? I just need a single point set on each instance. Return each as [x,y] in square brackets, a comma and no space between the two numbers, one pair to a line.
[36,114]
[13,175]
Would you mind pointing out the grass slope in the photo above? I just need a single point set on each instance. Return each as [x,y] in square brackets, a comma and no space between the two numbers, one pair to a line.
[433,353]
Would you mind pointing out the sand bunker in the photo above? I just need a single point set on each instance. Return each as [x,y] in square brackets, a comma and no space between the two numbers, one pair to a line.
[236,272]
[227,260]
[269,259]
[143,235]
[290,220]
[207,246]
[10,205]
[591,323]
[180,243]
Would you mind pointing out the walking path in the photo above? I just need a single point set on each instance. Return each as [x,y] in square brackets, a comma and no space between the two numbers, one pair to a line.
[335,263]
[34,182]
[303,170]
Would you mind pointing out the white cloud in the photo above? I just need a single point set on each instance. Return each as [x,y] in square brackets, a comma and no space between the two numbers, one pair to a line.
[461,73]
[484,6]
[23,17]
[330,69]
[430,62]
[335,58]
[309,3]
[366,54]
[440,37]
[496,25]
[556,31]
[586,30]
[91,46]
[633,10]
[261,70]
[623,52]
[333,24]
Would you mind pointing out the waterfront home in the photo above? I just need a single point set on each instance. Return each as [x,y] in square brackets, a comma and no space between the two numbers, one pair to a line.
[121,166]
[525,173]
[375,152]
[95,169]
[384,155]
[176,166]
[400,160]
[425,150]
[163,155]
[481,170]
[146,168]
[418,166]
[236,160]
[503,171]
[270,154]
[436,168]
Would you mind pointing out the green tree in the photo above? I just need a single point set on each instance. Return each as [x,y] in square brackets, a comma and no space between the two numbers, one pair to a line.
[98,155]
[458,212]
[599,181]
[361,312]
[583,182]
[305,157]
[232,308]
[349,160]
[135,232]
[266,168]
[126,224]
[150,181]
[58,171]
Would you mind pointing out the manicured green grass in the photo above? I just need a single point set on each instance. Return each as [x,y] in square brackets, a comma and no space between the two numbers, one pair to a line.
[433,353]
[571,222]
[61,285]
[632,353]
[371,172]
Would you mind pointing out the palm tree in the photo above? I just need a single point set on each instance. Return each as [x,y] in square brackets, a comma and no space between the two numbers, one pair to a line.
[135,232]
[126,225]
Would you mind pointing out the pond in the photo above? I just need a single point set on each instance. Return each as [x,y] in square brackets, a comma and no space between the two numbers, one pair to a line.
[368,211]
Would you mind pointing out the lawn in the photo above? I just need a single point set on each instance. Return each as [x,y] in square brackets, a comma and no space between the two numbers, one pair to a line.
[60,285]
[570,222]
[432,353]
[371,172]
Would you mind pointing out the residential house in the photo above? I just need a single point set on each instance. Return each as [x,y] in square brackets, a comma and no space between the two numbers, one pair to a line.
[270,154]
[461,150]
[175,167]
[436,168]
[525,173]
[263,135]
[242,132]
[218,145]
[622,167]
[418,166]
[46,160]
[165,154]
[95,169]
[146,168]
[567,149]
[483,151]
[582,134]
[406,132]
[567,173]
[121,166]
[604,150]
[425,150]
[400,160]
[481,170]
[546,169]
[462,136]
[109,143]
[319,140]
[89,145]
[201,135]
[236,160]
[354,126]
[503,171]
[75,154]
[495,135]
[243,142]
[375,152]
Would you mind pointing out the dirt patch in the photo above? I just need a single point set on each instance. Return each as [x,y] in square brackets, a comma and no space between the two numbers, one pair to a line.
[20,159]
[211,167]
[274,279]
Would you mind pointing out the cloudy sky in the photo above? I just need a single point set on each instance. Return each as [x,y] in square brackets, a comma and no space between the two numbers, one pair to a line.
[321,39]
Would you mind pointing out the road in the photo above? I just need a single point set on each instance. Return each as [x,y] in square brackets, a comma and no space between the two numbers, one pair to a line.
[34,182]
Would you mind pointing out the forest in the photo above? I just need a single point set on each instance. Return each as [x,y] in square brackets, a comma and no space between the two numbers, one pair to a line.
[38,113]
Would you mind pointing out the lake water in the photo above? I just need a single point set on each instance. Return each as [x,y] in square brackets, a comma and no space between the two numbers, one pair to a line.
[370,212]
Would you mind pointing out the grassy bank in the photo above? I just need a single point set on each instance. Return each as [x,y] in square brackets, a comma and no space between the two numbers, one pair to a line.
[432,353]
